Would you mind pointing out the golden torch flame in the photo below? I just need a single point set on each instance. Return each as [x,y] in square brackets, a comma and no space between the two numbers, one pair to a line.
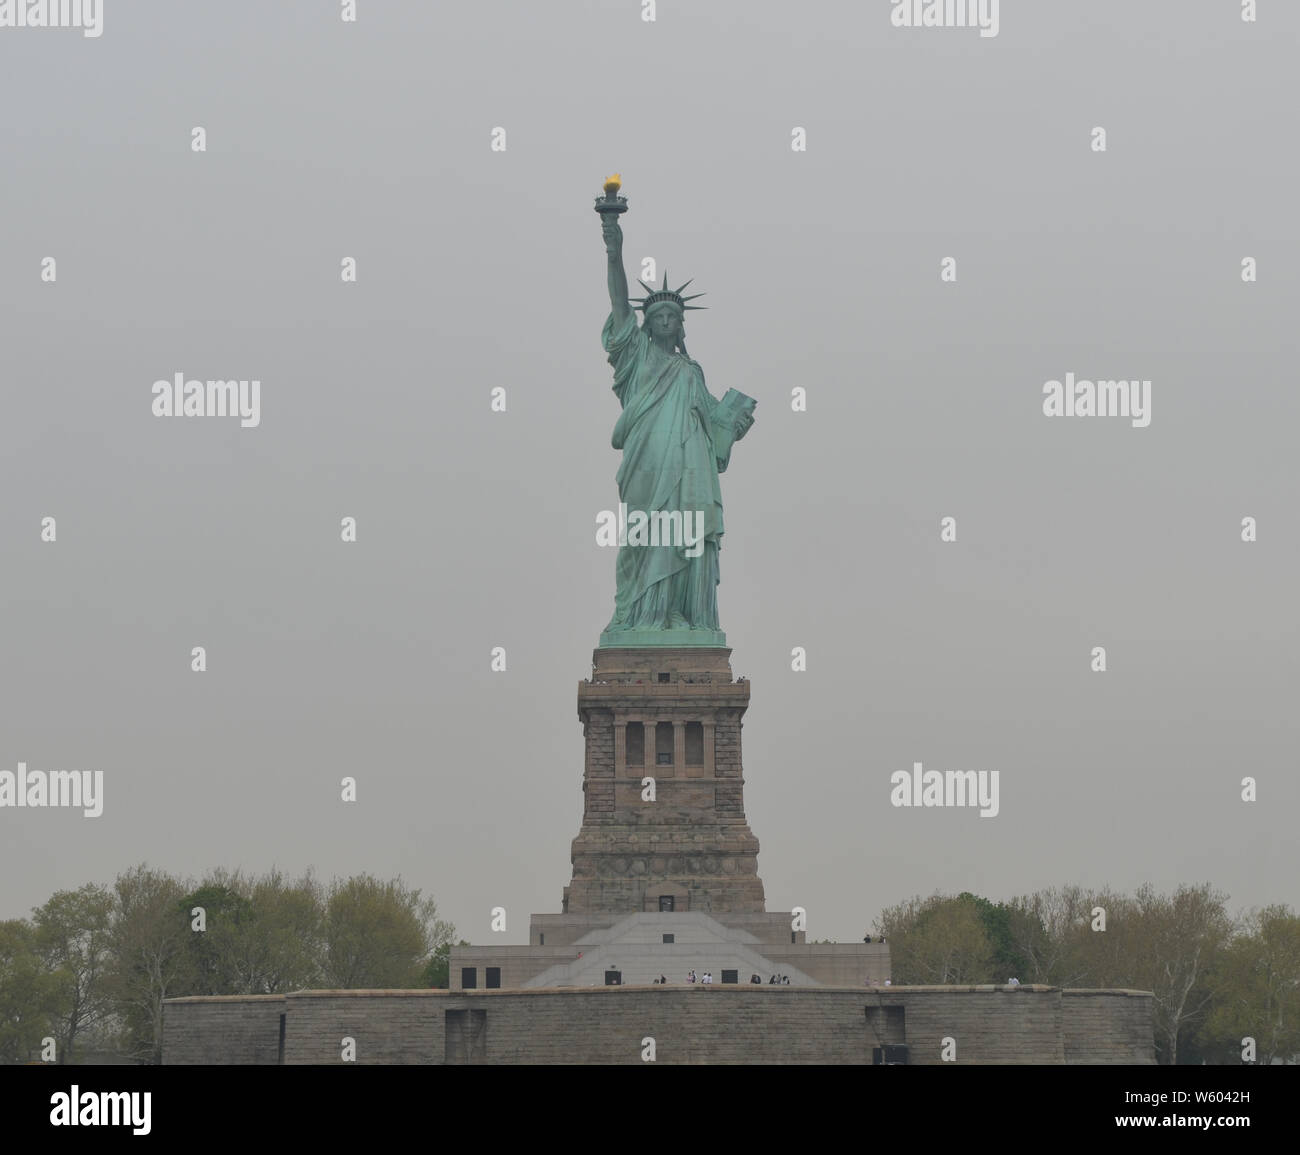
[613,184]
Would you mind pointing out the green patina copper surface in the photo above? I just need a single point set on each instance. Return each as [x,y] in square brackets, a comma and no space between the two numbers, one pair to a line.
[676,439]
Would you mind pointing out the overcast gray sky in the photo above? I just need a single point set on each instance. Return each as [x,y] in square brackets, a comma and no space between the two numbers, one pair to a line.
[476,529]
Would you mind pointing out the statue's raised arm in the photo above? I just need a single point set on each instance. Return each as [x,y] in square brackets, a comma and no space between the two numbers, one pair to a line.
[613,233]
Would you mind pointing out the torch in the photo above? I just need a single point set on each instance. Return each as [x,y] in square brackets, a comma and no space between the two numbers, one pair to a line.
[611,202]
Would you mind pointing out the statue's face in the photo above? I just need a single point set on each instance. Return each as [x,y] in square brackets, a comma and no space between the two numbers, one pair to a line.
[665,324]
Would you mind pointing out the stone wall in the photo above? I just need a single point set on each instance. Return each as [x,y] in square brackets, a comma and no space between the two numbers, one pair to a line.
[220,1030]
[731,1024]
[598,775]
[987,1024]
[387,1027]
[1102,1024]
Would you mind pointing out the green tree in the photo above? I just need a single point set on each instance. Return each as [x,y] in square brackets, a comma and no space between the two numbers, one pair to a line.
[73,937]
[1259,984]
[217,951]
[1046,928]
[1172,946]
[151,956]
[286,954]
[31,998]
[1104,958]
[996,919]
[264,934]
[937,940]
[379,934]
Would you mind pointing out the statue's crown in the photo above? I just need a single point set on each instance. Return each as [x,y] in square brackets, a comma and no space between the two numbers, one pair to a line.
[667,296]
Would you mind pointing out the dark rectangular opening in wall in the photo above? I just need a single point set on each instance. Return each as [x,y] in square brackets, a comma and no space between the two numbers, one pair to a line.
[280,1057]
[666,902]
[670,938]
[493,978]
[541,940]
[794,936]
[663,677]
[468,978]
[886,1027]
[694,744]
[731,976]
[635,744]
[613,978]
[663,743]
[465,1037]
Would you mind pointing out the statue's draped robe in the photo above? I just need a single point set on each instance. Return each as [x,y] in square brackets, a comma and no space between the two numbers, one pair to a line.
[669,463]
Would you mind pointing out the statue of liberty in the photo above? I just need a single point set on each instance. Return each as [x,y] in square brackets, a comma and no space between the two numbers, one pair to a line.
[676,439]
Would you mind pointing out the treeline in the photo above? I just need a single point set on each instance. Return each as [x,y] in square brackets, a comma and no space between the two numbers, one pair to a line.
[90,969]
[1218,980]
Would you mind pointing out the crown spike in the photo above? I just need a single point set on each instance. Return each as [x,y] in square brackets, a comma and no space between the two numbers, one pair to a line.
[663,296]
[681,287]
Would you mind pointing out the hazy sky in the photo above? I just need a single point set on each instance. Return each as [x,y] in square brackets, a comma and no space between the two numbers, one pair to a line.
[479,269]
